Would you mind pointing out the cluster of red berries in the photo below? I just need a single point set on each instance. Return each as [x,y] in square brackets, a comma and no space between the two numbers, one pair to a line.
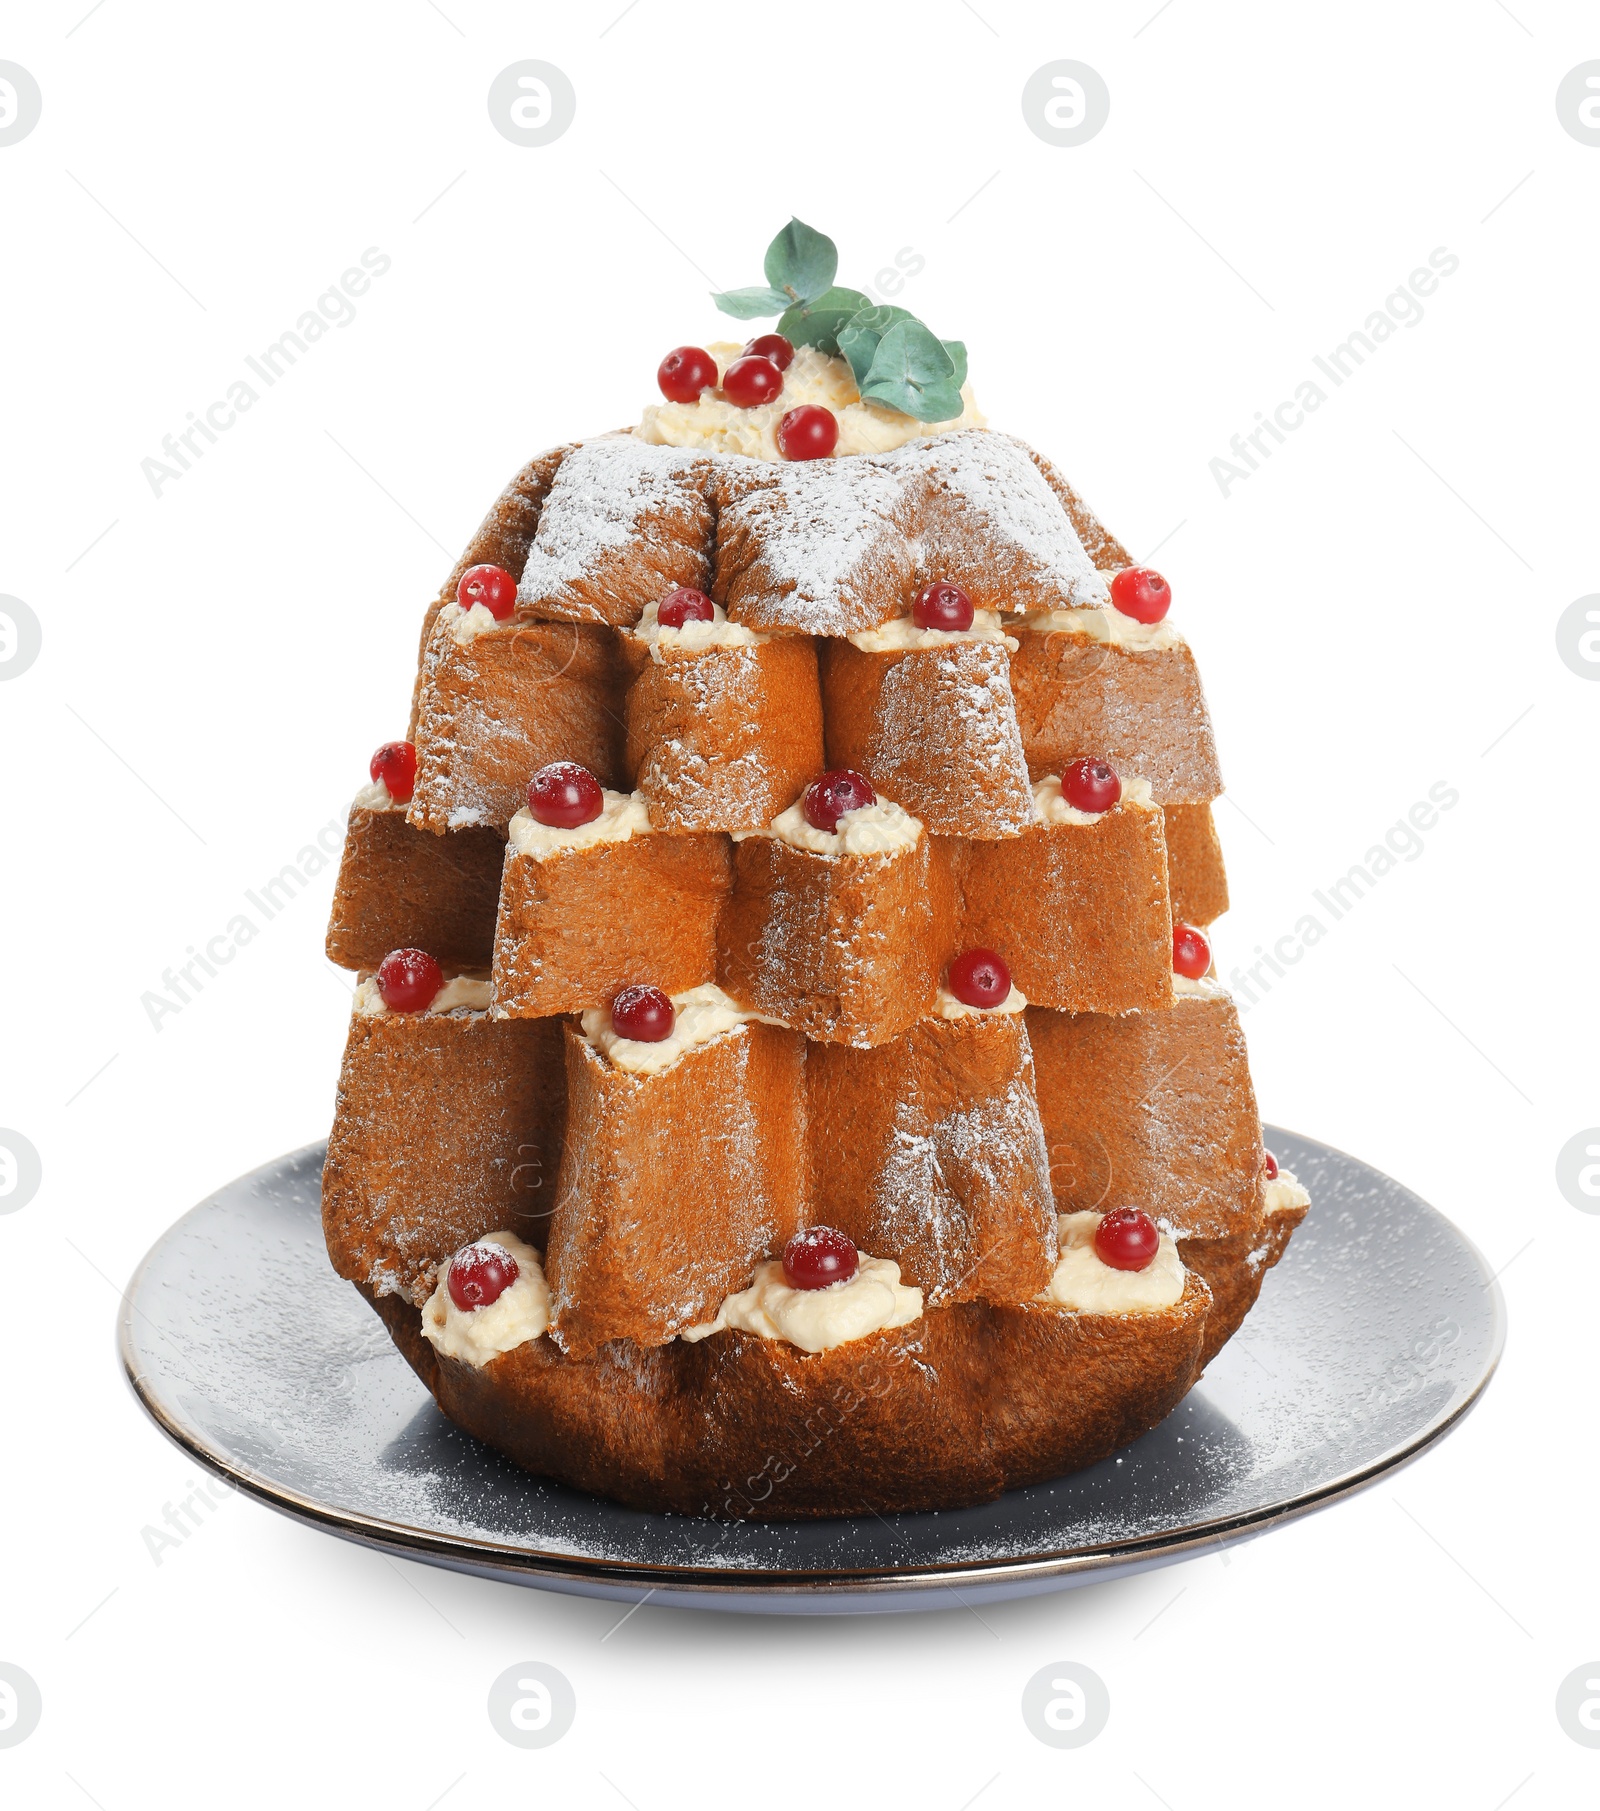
[754,378]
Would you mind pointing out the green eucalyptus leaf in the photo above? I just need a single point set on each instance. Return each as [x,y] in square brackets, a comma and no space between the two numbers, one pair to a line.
[817,323]
[860,346]
[750,304]
[801,262]
[860,337]
[913,373]
[957,350]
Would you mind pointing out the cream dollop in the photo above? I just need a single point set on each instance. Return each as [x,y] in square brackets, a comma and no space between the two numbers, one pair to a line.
[1208,987]
[902,632]
[374,796]
[1284,1191]
[466,625]
[878,829]
[947,1006]
[623,815]
[816,1320]
[1105,624]
[462,993]
[1051,807]
[517,1315]
[701,1014]
[813,377]
[1083,1283]
[693,637]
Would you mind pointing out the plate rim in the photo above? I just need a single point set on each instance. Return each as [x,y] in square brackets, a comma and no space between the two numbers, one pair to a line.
[533,1565]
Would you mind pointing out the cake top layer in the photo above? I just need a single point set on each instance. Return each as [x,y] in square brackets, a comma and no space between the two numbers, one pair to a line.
[827,546]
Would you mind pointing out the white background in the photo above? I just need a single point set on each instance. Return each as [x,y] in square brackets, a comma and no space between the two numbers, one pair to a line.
[1366,626]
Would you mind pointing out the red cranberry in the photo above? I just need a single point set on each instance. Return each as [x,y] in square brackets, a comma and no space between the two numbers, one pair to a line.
[773,346]
[748,382]
[396,765]
[809,432]
[409,980]
[644,1013]
[829,798]
[1126,1239]
[685,372]
[489,586]
[980,978]
[1142,594]
[565,795]
[480,1275]
[942,605]
[1269,1166]
[817,1256]
[1191,953]
[685,605]
[1091,786]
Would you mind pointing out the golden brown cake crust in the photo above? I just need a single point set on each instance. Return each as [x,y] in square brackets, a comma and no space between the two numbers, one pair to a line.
[623,523]
[934,729]
[447,1126]
[497,708]
[841,947]
[1140,709]
[1153,1110]
[968,1402]
[727,738]
[578,926]
[762,513]
[673,1187]
[1198,880]
[935,1157]
[1079,911]
[400,888]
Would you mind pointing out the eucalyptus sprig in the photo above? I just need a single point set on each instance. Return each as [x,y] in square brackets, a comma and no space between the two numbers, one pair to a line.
[896,360]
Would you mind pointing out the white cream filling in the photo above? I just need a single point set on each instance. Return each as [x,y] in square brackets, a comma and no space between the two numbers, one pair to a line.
[702,1013]
[693,637]
[902,632]
[879,829]
[519,1314]
[374,796]
[1106,624]
[813,377]
[462,993]
[623,815]
[816,1320]
[1284,1191]
[949,1007]
[1085,1284]
[466,625]
[1206,988]
[1050,805]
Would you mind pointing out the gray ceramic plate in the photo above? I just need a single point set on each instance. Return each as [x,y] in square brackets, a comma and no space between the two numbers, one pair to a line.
[1373,1337]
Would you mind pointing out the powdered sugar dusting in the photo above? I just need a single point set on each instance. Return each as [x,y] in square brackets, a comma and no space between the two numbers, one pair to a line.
[615,497]
[947,740]
[834,546]
[1005,500]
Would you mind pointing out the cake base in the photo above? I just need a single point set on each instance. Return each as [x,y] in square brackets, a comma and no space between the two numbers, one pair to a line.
[966,1403]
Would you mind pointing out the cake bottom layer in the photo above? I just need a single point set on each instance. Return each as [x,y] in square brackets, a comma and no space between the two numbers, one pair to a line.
[972,1400]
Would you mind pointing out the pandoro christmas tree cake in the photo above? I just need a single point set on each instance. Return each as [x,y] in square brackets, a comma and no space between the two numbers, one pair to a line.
[786,1075]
